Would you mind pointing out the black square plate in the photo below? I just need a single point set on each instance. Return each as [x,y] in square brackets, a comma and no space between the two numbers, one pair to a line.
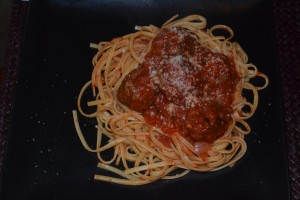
[45,159]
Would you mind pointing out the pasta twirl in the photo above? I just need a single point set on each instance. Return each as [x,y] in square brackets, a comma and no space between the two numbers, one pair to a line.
[146,150]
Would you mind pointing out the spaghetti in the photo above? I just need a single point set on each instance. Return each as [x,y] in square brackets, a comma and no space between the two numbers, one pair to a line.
[151,144]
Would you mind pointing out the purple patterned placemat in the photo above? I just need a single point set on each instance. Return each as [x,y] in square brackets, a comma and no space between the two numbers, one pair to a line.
[16,31]
[287,34]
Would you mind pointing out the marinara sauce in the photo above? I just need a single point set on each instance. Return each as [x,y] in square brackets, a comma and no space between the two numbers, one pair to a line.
[182,87]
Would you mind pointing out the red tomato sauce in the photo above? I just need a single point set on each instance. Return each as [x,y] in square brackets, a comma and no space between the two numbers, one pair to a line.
[182,87]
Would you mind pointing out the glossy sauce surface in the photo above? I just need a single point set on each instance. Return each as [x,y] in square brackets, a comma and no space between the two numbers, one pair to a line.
[183,87]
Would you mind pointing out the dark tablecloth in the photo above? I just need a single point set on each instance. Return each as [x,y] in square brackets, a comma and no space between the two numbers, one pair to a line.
[287,34]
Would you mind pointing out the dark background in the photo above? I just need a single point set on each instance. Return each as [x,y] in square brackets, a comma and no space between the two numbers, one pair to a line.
[54,122]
